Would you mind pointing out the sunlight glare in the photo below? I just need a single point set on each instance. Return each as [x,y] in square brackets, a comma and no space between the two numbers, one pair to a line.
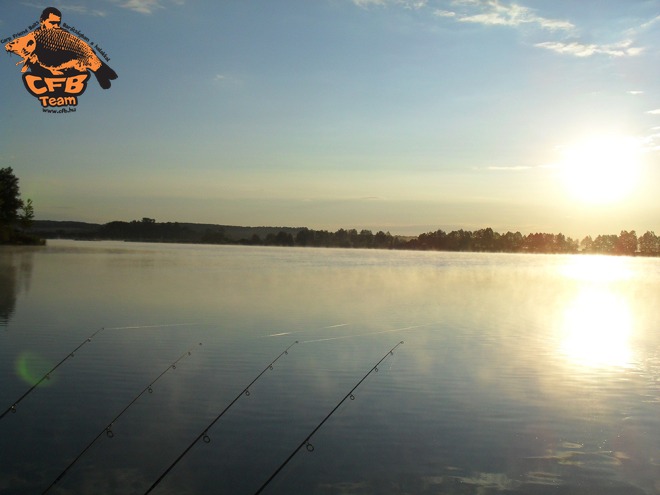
[597,269]
[598,322]
[598,325]
[602,170]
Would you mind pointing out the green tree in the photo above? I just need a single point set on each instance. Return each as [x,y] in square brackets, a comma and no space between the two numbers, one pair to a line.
[587,244]
[459,240]
[366,238]
[382,239]
[627,243]
[10,197]
[605,244]
[649,244]
[341,238]
[511,242]
[27,214]
[304,237]
[484,240]
[14,212]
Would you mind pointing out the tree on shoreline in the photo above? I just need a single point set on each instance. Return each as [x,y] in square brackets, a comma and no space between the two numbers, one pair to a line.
[627,243]
[14,211]
[649,244]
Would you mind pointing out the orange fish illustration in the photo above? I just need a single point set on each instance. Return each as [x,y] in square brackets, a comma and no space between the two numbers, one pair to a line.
[58,51]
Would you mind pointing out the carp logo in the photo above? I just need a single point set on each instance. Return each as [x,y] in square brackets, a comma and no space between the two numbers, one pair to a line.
[56,63]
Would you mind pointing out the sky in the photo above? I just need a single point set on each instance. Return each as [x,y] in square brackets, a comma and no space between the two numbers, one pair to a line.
[405,116]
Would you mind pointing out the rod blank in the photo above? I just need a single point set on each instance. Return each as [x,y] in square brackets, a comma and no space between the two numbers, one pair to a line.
[12,408]
[204,434]
[108,429]
[306,442]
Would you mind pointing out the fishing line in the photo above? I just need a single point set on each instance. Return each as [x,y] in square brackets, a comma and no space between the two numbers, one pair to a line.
[12,408]
[204,434]
[157,326]
[308,330]
[306,442]
[367,334]
[108,429]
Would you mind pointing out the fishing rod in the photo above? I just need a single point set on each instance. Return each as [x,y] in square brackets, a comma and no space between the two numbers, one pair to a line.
[12,408]
[204,434]
[108,429]
[306,442]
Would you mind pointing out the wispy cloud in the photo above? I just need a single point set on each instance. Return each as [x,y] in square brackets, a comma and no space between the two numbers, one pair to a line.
[67,8]
[82,10]
[652,142]
[226,80]
[645,26]
[495,13]
[650,23]
[142,6]
[367,3]
[654,112]
[635,92]
[148,6]
[620,49]
[511,168]
[414,4]
[517,16]
[408,4]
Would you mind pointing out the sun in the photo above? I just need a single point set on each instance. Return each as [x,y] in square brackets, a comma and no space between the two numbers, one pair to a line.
[603,169]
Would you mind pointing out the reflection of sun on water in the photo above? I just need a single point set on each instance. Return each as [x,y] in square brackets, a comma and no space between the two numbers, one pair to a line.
[598,325]
[597,269]
[598,322]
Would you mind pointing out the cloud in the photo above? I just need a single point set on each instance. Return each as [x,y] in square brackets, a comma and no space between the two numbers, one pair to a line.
[511,168]
[408,4]
[67,8]
[635,92]
[414,4]
[226,80]
[142,6]
[652,142]
[654,112]
[648,24]
[514,15]
[366,3]
[577,49]
[494,13]
[643,27]
[148,6]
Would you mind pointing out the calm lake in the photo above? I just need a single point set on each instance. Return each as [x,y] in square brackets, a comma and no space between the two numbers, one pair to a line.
[519,374]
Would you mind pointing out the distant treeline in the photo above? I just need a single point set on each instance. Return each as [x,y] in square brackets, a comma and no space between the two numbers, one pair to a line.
[626,243]
[483,240]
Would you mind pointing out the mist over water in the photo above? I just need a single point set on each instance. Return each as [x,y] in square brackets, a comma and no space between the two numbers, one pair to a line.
[519,373]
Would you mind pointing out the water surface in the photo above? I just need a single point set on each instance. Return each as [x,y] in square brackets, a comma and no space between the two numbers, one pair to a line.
[519,374]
